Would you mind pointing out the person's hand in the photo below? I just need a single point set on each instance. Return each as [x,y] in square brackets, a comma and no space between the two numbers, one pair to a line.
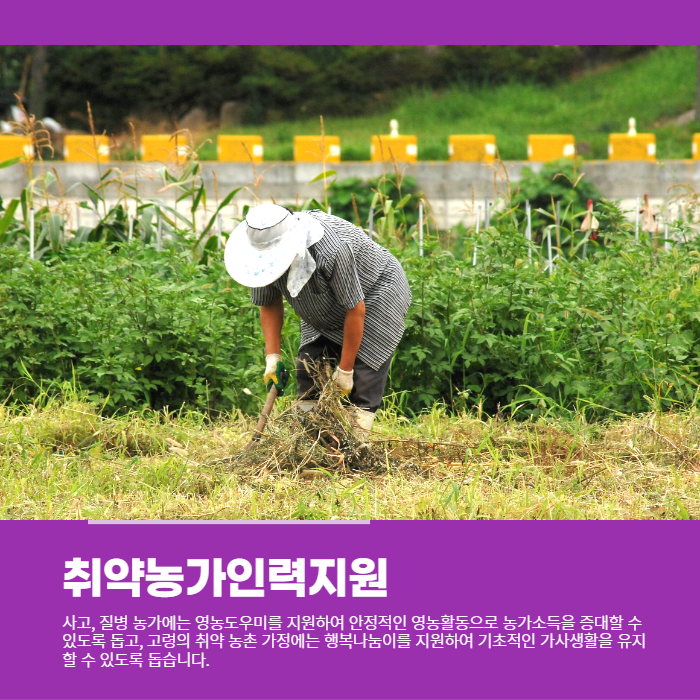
[275,373]
[343,380]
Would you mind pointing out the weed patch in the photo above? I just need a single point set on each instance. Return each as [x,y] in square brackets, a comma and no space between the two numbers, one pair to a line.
[435,466]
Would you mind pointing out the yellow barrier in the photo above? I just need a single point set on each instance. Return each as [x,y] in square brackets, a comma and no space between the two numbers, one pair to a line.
[240,149]
[400,148]
[696,146]
[13,146]
[80,148]
[546,147]
[310,149]
[479,148]
[163,148]
[635,147]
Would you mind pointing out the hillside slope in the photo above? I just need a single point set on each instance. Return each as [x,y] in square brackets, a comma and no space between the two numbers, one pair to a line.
[654,88]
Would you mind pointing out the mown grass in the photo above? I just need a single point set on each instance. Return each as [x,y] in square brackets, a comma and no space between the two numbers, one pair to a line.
[654,88]
[64,461]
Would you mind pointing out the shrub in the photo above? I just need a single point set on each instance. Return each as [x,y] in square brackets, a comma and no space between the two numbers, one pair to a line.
[340,197]
[133,327]
[498,64]
[558,181]
[617,331]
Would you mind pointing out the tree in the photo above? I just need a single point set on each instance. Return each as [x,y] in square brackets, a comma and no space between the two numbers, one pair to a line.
[37,89]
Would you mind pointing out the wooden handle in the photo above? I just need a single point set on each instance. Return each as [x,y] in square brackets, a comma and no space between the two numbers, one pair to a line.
[267,408]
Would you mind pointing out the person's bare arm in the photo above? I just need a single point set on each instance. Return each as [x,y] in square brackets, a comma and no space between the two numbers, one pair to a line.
[271,319]
[352,336]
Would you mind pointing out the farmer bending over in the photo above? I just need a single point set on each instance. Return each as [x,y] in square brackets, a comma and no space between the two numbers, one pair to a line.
[352,296]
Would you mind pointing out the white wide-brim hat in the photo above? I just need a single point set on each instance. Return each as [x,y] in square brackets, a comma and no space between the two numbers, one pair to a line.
[264,246]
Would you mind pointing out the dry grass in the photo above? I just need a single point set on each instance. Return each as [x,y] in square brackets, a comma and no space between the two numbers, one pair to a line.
[320,442]
[65,461]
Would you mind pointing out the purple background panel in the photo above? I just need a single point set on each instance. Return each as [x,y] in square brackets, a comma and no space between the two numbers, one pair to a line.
[485,568]
[356,22]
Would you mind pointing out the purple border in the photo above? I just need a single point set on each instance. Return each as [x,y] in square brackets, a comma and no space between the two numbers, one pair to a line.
[359,22]
[506,568]
[648,569]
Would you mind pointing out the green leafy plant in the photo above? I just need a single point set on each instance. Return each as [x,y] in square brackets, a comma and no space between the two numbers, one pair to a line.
[559,182]
[352,198]
[132,326]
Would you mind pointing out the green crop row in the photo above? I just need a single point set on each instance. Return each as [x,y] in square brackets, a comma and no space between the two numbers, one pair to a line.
[616,330]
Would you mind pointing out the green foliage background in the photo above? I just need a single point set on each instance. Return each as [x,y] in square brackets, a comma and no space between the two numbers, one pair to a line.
[559,182]
[342,192]
[132,326]
[617,331]
[274,82]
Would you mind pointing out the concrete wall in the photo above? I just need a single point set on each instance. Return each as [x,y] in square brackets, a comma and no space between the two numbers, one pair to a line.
[450,187]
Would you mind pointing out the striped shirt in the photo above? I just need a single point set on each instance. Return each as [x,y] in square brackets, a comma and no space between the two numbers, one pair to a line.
[350,268]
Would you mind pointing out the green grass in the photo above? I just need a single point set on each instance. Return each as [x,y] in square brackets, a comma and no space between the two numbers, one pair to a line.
[653,88]
[63,461]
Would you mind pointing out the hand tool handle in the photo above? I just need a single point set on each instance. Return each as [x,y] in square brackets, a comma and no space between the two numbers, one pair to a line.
[267,408]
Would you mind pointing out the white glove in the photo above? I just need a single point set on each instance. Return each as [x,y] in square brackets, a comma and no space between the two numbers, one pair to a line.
[271,361]
[275,373]
[343,380]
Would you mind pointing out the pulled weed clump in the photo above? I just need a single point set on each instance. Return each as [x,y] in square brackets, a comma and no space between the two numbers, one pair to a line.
[313,443]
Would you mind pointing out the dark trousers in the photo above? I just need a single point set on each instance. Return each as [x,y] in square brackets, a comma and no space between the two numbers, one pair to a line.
[368,387]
